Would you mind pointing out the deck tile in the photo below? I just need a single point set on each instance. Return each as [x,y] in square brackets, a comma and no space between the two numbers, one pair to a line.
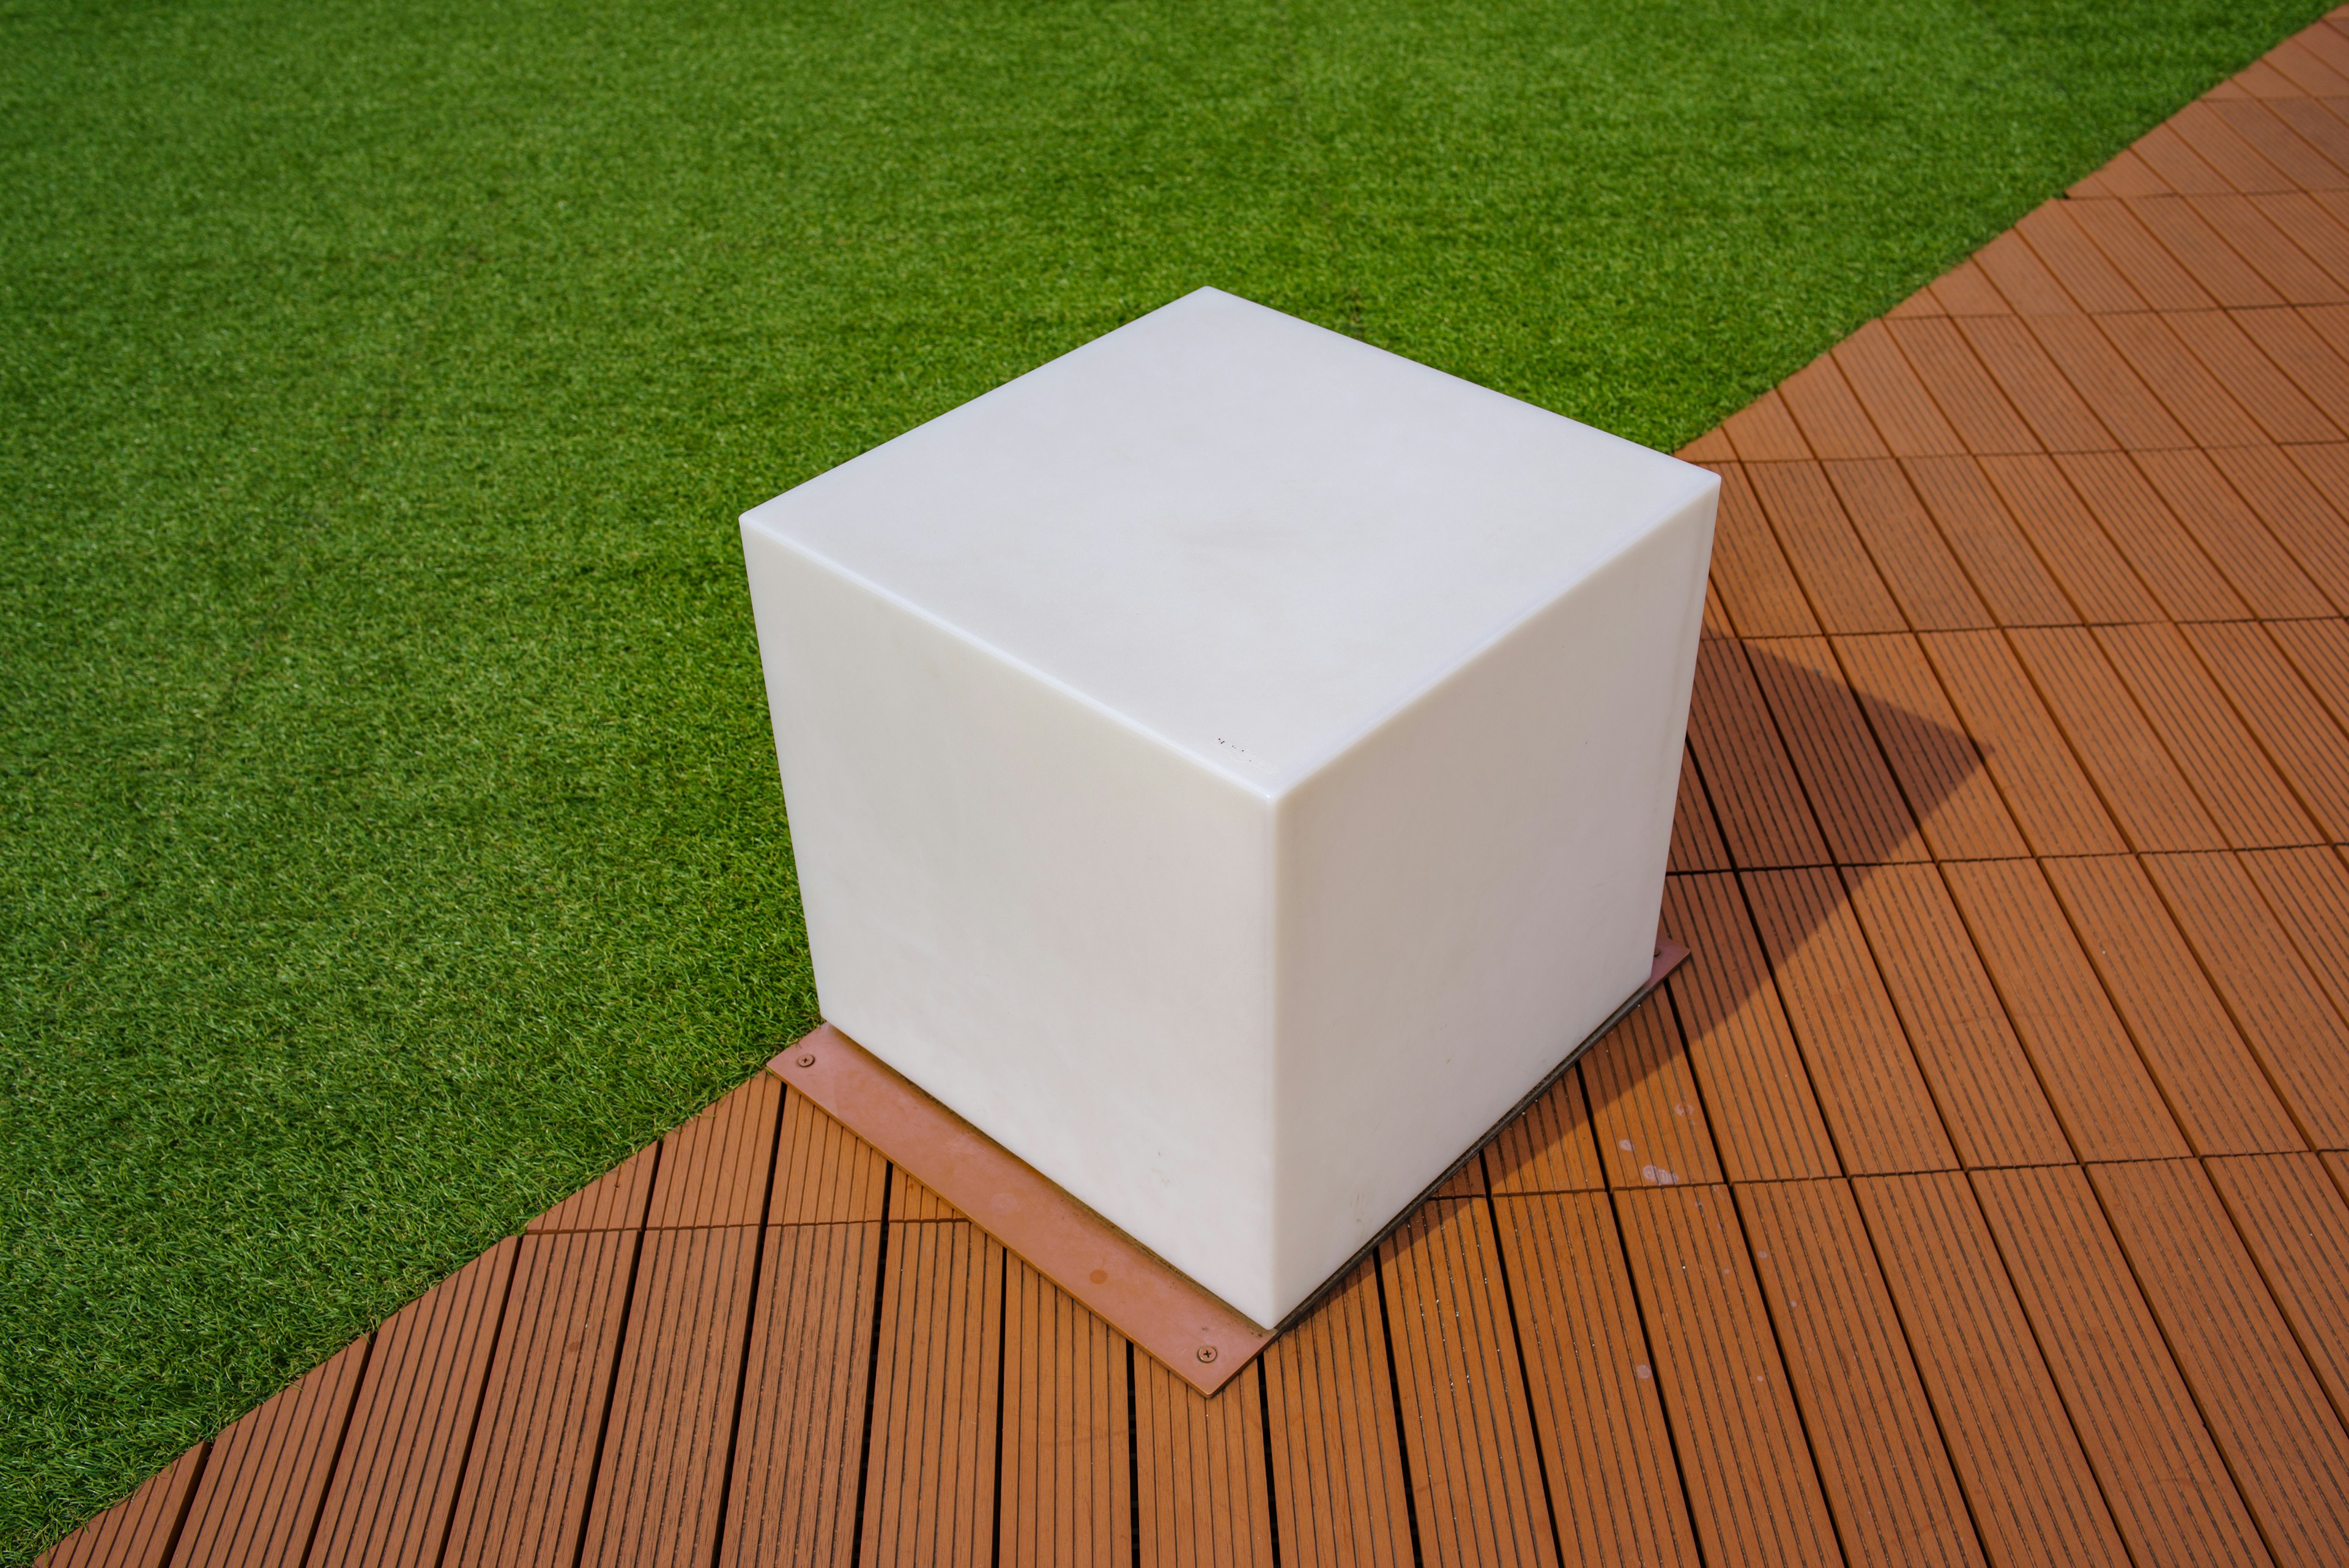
[2039,780]
[1065,1465]
[2165,556]
[2249,800]
[2022,278]
[2292,1220]
[1965,290]
[2266,1409]
[1917,566]
[2232,535]
[2122,403]
[2134,772]
[825,1174]
[1997,556]
[2034,1497]
[1880,1455]
[1757,588]
[2092,574]
[402,1459]
[1968,396]
[929,1484]
[1940,773]
[1763,431]
[257,1502]
[1201,1469]
[2072,259]
[2239,163]
[526,1487]
[1873,1094]
[2154,276]
[2319,650]
[2197,397]
[2279,495]
[715,1169]
[2277,1004]
[2162,1476]
[1903,411]
[1647,1115]
[1551,1147]
[1838,576]
[2287,339]
[1833,423]
[1853,799]
[1696,839]
[615,1200]
[2307,893]
[1337,1459]
[2095,1080]
[1756,796]
[2303,166]
[2188,236]
[663,1481]
[1752,1487]
[2280,409]
[2059,418]
[1982,1080]
[2208,1075]
[795,1483]
[1758,1099]
[1476,1469]
[140,1530]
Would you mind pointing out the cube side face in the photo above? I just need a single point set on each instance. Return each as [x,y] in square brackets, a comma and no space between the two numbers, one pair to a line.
[1053,922]
[1468,892]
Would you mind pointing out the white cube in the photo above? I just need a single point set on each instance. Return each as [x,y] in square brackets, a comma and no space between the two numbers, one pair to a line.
[1231,765]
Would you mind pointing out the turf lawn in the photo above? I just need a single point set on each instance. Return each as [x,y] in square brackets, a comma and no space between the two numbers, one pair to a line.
[390,837]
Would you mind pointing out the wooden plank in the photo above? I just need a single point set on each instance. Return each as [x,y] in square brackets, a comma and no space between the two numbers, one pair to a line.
[2024,277]
[1696,839]
[1199,1466]
[2287,269]
[2299,161]
[1832,421]
[1838,578]
[1756,586]
[1065,1464]
[1983,1083]
[1897,401]
[1337,1456]
[1644,1105]
[2307,893]
[1966,290]
[2059,243]
[615,1200]
[1614,1484]
[1765,1119]
[1551,1147]
[1857,804]
[1997,556]
[2034,1497]
[257,1502]
[2087,1063]
[141,1531]
[1753,1489]
[2059,418]
[1985,421]
[660,1492]
[2212,1083]
[2143,262]
[2134,772]
[929,1484]
[2230,534]
[1763,431]
[825,1174]
[2304,358]
[2194,396]
[715,1169]
[2238,162]
[2310,528]
[2039,780]
[525,1490]
[2267,987]
[2292,1220]
[2303,220]
[2169,1490]
[2319,650]
[2121,401]
[1940,773]
[404,1452]
[1908,549]
[2248,799]
[1756,796]
[2224,276]
[1874,1097]
[2264,1406]
[1468,1435]
[2165,556]
[2093,575]
[1881,1460]
[796,1467]
[2308,76]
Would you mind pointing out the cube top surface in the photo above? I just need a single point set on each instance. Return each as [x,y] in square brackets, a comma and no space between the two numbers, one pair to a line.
[1247,536]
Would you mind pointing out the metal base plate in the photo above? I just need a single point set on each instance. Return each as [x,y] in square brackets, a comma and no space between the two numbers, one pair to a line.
[1199,1338]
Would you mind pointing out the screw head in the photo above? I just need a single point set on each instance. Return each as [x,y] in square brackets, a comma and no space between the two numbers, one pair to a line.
[808,1060]
[1207,1354]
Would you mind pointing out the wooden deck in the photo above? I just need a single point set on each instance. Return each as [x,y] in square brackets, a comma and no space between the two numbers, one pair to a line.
[1977,1196]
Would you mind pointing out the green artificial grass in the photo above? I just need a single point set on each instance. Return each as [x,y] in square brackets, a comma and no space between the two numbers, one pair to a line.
[390,837]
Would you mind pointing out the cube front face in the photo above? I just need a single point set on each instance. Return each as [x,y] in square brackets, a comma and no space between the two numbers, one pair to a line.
[1243,984]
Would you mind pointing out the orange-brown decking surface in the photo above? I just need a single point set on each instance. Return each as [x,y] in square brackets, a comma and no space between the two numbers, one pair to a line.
[1975,1197]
